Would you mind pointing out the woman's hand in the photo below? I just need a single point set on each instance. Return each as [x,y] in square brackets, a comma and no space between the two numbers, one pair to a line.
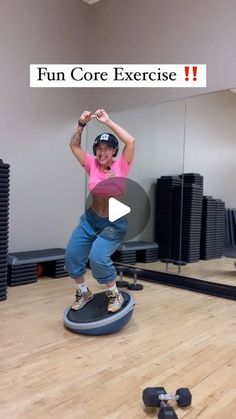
[86,116]
[102,116]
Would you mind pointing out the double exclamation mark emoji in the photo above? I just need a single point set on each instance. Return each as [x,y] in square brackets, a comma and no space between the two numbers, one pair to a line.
[186,69]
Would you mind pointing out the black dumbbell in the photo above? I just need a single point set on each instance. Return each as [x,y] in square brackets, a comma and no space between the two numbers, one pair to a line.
[153,397]
[121,283]
[166,412]
[157,397]
[179,263]
[135,286]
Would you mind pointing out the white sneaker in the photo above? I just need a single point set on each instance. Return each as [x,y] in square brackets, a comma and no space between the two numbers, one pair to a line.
[115,301]
[81,298]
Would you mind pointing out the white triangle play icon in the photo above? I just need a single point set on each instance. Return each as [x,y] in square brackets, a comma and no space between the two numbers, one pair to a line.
[117,209]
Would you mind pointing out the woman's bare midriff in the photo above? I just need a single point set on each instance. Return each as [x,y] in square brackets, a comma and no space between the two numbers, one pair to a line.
[100,205]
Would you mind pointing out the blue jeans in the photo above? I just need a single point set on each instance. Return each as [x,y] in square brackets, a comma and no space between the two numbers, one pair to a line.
[94,239]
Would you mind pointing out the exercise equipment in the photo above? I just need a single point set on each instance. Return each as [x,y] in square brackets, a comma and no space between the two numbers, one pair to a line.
[135,286]
[178,263]
[26,267]
[134,271]
[165,214]
[136,251]
[121,283]
[219,228]
[189,226]
[212,232]
[158,397]
[4,226]
[230,229]
[93,318]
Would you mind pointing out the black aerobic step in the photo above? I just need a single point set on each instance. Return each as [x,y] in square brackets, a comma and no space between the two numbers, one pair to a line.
[23,266]
[136,251]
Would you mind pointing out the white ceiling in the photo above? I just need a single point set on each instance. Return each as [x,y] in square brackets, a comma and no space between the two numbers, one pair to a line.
[91,1]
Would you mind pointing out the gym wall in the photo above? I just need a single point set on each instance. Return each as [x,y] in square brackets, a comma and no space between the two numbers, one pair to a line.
[164,31]
[47,183]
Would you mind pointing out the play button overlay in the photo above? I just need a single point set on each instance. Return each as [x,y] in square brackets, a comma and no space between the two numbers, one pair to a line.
[117,209]
[123,198]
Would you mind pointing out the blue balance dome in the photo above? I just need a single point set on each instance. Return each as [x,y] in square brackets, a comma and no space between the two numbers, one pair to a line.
[93,318]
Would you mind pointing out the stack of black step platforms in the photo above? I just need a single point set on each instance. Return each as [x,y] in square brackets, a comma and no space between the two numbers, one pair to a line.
[21,274]
[195,178]
[176,225]
[208,228]
[220,228]
[192,196]
[191,222]
[188,227]
[55,269]
[230,227]
[136,251]
[125,254]
[146,252]
[166,214]
[4,225]
[23,266]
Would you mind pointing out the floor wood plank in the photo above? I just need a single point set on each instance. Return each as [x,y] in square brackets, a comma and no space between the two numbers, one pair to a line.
[175,339]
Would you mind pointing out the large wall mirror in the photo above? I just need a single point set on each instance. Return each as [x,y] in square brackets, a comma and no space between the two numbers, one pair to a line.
[210,150]
[208,223]
[190,147]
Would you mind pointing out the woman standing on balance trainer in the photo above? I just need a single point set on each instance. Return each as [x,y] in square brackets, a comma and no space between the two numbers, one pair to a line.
[96,238]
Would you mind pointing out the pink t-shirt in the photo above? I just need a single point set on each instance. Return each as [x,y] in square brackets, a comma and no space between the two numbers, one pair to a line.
[112,186]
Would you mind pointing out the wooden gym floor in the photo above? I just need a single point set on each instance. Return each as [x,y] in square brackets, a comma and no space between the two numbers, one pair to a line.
[175,338]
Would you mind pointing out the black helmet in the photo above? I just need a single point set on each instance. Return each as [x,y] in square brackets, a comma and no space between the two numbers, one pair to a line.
[107,138]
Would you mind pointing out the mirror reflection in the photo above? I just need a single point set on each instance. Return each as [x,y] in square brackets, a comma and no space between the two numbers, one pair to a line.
[185,161]
[208,203]
[210,148]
